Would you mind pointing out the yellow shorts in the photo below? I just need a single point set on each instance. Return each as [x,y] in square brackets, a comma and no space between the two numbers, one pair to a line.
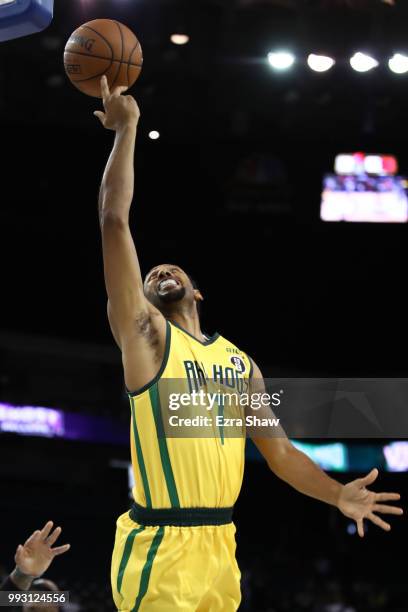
[165,569]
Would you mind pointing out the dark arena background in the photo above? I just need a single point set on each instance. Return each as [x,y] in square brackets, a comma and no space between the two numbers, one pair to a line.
[231,190]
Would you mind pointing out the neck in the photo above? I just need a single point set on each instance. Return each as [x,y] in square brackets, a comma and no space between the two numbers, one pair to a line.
[188,320]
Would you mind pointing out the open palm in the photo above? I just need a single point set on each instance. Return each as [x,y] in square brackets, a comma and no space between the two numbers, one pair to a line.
[37,554]
[358,503]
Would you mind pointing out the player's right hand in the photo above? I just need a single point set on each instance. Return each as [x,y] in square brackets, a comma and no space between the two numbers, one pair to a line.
[120,111]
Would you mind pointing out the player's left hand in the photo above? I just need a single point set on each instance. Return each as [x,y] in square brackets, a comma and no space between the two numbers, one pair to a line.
[37,554]
[358,503]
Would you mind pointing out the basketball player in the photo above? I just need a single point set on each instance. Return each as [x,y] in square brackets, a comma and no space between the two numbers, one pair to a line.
[175,549]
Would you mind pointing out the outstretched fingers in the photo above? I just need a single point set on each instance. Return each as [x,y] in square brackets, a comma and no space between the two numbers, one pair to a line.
[360,528]
[60,550]
[46,530]
[379,522]
[369,479]
[387,497]
[387,509]
[33,538]
[53,537]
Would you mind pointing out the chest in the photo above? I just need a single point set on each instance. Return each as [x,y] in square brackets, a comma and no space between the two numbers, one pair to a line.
[218,363]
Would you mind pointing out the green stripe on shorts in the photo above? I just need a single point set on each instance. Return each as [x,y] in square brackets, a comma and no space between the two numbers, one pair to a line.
[125,557]
[147,568]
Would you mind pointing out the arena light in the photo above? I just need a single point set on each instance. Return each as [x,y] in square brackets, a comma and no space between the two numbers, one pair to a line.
[398,63]
[396,456]
[6,2]
[332,456]
[373,164]
[31,420]
[344,164]
[320,63]
[179,39]
[154,135]
[358,164]
[281,60]
[361,62]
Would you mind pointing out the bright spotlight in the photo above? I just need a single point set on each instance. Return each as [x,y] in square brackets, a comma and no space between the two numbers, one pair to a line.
[281,60]
[398,63]
[6,2]
[320,63]
[179,39]
[154,135]
[362,62]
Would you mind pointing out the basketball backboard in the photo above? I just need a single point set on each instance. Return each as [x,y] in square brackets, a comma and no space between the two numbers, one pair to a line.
[23,17]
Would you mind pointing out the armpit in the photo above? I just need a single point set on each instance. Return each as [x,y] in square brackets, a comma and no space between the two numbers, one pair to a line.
[145,328]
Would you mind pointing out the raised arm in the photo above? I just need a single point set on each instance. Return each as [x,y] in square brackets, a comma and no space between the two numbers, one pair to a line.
[135,323]
[354,500]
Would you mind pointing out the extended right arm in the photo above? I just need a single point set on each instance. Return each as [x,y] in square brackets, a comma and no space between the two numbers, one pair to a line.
[123,278]
[135,323]
[121,267]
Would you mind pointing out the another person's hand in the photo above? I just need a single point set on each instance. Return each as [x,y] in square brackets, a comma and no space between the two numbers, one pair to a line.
[358,503]
[36,555]
[120,111]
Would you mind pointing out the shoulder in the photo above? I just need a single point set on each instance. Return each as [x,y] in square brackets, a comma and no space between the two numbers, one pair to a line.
[255,370]
[236,353]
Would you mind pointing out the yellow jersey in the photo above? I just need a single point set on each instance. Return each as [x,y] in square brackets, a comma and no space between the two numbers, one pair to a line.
[202,470]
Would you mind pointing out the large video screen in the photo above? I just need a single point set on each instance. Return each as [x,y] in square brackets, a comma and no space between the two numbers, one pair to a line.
[364,198]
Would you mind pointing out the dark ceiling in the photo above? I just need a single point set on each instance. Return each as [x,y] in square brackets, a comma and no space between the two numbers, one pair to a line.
[287,287]
[222,78]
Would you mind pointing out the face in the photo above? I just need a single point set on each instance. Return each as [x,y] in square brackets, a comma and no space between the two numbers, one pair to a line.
[168,284]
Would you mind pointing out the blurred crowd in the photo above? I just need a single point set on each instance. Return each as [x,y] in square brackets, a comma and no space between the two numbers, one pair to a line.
[315,588]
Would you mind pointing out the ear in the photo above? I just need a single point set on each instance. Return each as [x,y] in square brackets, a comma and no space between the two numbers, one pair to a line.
[197,296]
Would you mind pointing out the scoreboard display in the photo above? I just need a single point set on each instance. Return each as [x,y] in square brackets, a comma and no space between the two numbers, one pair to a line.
[365,188]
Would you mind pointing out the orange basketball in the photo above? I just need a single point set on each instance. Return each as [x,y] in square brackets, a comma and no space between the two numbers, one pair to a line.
[99,47]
